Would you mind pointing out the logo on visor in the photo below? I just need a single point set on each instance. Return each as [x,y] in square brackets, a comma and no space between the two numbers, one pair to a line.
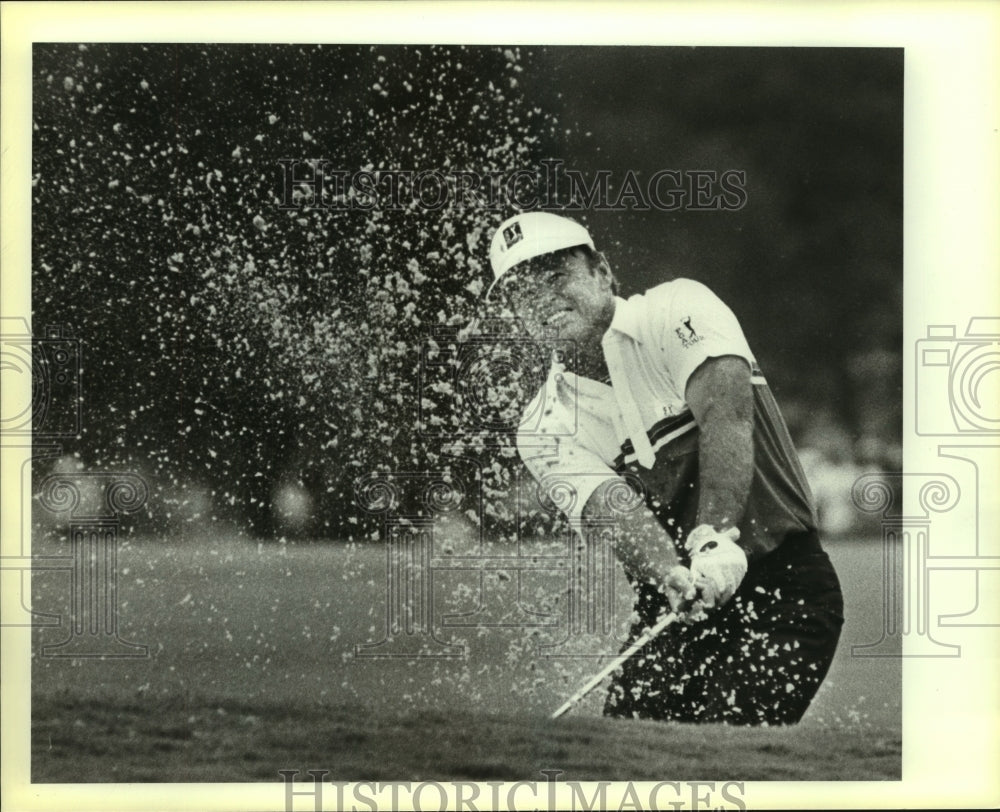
[512,234]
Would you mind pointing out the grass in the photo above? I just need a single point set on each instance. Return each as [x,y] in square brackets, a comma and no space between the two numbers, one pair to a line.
[232,742]
[251,670]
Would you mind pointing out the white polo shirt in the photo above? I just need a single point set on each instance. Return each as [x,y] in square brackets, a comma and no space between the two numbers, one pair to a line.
[575,427]
[578,433]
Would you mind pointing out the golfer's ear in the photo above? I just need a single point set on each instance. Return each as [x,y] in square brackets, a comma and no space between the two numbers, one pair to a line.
[603,268]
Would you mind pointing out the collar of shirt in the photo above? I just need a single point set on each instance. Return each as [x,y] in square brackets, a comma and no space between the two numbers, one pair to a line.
[625,321]
[598,397]
[585,388]
[627,317]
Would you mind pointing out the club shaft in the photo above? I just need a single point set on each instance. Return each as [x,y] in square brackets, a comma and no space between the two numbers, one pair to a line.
[594,681]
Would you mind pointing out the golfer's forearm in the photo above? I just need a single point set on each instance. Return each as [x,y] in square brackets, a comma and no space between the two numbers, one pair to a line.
[645,549]
[725,471]
[720,395]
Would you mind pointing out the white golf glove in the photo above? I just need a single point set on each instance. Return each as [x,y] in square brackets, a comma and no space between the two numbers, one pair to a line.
[718,563]
[679,589]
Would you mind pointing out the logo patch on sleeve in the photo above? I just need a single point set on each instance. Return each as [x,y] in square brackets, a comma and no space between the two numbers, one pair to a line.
[687,334]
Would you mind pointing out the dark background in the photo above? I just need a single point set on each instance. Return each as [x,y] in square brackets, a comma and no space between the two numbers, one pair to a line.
[253,362]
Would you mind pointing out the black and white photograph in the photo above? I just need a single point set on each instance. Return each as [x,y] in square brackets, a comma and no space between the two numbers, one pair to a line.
[481,425]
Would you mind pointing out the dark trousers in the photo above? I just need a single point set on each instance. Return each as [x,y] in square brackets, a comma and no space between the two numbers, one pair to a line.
[758,660]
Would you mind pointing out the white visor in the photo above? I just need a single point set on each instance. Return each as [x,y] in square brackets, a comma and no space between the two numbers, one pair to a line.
[531,234]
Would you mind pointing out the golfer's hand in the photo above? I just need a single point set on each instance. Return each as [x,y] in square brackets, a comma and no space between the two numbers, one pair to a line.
[718,564]
[679,588]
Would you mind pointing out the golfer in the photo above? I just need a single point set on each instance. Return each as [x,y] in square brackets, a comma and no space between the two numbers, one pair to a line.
[663,390]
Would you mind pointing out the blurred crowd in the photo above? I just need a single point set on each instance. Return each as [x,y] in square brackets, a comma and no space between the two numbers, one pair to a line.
[858,432]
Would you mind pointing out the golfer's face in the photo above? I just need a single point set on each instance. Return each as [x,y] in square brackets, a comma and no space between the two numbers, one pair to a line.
[559,295]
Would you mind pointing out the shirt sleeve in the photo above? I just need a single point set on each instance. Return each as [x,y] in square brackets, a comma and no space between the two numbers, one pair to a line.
[698,325]
[567,472]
